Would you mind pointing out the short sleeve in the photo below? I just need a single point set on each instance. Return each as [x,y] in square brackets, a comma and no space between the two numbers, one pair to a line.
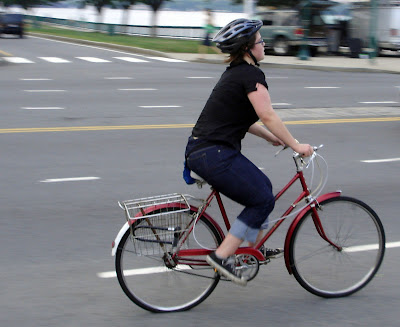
[254,77]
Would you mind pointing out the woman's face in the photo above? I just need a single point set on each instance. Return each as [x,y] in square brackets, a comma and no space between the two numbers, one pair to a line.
[258,48]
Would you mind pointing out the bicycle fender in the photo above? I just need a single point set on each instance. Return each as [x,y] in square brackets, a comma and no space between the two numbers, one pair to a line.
[299,216]
[126,226]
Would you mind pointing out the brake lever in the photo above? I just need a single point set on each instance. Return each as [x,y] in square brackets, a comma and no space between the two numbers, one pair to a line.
[279,151]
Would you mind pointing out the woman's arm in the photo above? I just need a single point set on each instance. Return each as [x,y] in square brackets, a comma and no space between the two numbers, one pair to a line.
[265,134]
[261,102]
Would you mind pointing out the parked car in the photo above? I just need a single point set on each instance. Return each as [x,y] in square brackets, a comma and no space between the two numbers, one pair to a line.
[283,32]
[12,24]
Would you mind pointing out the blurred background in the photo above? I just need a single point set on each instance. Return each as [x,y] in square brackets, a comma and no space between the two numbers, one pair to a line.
[305,28]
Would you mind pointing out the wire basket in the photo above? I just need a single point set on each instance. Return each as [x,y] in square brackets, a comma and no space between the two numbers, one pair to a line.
[158,223]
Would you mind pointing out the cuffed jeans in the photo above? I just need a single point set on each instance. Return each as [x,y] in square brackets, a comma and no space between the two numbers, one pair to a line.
[232,174]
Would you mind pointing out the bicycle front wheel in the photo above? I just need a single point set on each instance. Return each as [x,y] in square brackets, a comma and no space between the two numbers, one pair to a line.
[326,271]
[155,283]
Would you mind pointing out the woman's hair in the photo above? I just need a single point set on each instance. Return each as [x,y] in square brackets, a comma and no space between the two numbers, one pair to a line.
[239,54]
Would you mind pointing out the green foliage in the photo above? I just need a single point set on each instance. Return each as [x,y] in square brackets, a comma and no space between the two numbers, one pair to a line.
[26,4]
[154,4]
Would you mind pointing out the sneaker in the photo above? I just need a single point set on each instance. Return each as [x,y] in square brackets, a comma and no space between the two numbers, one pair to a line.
[271,253]
[226,267]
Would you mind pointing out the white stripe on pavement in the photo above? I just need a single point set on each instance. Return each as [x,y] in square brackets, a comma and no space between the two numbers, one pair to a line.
[55,60]
[142,271]
[32,91]
[381,160]
[93,59]
[42,108]
[18,60]
[131,59]
[71,179]
[117,78]
[370,247]
[379,102]
[35,79]
[166,59]
[322,87]
[137,89]
[160,106]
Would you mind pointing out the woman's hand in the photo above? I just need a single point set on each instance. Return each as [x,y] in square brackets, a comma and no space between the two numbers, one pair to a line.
[305,150]
[271,138]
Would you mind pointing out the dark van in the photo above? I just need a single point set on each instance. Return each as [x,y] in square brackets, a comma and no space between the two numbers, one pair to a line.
[12,24]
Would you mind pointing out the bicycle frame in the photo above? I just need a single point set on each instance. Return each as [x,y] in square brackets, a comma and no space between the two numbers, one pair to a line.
[305,194]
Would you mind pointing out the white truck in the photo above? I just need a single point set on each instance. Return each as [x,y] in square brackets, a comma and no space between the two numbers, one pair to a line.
[386,28]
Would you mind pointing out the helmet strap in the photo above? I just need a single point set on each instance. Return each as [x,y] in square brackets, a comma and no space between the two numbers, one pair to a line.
[252,57]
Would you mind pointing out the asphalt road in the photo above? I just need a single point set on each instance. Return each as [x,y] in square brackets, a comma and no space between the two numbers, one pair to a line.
[122,127]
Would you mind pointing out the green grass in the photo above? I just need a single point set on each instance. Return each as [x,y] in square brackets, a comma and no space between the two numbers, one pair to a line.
[153,43]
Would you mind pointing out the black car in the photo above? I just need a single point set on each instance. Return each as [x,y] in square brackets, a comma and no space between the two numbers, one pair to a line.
[12,24]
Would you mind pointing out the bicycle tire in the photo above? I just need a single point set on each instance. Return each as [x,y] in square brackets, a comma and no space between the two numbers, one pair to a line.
[165,289]
[322,269]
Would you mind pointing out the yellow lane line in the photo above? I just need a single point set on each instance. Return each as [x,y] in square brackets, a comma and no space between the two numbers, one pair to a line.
[5,53]
[144,127]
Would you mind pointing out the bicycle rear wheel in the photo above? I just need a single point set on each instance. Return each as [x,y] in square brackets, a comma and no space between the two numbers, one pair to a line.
[155,284]
[326,271]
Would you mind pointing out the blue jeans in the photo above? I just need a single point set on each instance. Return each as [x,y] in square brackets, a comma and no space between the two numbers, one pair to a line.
[233,175]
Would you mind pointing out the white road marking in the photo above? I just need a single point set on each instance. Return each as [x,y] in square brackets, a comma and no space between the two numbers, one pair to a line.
[381,160]
[32,91]
[131,59]
[18,60]
[370,247]
[322,87]
[160,106]
[112,78]
[137,89]
[199,77]
[35,79]
[71,179]
[379,102]
[281,104]
[155,270]
[55,60]
[42,108]
[141,271]
[167,59]
[93,59]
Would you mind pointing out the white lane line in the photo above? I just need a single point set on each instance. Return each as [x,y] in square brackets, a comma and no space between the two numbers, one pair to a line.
[155,270]
[131,59]
[370,247]
[379,102]
[160,106]
[42,108]
[18,60]
[32,91]
[166,59]
[93,59]
[137,89]
[141,271]
[117,78]
[381,160]
[199,77]
[35,79]
[281,104]
[71,179]
[322,87]
[55,60]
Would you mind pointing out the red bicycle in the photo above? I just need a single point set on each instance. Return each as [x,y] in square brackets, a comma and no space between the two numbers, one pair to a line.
[333,247]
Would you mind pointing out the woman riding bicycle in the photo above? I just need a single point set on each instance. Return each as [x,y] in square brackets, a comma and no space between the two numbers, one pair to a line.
[237,102]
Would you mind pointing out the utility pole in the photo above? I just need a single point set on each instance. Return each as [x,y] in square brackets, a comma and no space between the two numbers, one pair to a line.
[373,25]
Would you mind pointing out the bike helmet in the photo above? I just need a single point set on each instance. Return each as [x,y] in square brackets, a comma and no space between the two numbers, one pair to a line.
[231,37]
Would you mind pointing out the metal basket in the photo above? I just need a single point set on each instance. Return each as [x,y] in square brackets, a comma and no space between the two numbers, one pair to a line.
[157,223]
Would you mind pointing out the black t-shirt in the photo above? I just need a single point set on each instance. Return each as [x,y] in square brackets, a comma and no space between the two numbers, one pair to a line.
[228,113]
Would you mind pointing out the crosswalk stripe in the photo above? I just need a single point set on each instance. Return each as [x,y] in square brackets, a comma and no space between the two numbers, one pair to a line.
[167,59]
[18,60]
[55,60]
[92,59]
[131,59]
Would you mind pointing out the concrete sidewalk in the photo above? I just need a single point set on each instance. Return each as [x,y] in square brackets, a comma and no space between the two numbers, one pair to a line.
[388,64]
